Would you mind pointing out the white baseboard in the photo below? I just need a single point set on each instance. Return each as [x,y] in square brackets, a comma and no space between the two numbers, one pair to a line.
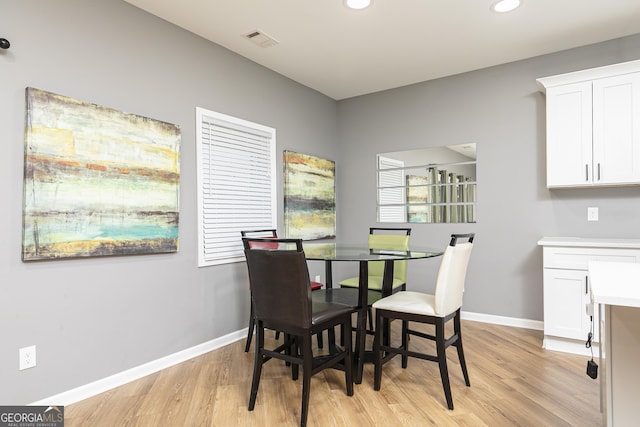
[501,320]
[567,345]
[92,389]
[121,378]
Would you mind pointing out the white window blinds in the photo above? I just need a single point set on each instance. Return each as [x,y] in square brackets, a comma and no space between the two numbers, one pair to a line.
[391,190]
[236,183]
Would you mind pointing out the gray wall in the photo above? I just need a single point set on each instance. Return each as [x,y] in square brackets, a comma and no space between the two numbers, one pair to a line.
[93,318]
[501,109]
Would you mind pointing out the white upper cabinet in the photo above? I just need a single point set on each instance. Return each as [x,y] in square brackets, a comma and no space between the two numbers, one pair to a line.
[569,135]
[616,129]
[593,127]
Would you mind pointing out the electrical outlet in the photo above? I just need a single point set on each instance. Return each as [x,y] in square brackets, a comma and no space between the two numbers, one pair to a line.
[27,357]
[592,214]
[317,278]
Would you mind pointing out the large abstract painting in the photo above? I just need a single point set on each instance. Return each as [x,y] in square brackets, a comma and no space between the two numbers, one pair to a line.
[97,181]
[309,197]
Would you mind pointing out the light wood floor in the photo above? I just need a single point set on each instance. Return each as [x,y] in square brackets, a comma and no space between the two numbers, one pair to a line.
[514,382]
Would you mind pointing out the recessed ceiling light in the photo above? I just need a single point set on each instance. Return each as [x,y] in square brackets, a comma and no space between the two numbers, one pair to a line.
[502,6]
[357,4]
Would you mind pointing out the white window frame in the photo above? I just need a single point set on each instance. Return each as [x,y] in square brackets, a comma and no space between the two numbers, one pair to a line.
[236,162]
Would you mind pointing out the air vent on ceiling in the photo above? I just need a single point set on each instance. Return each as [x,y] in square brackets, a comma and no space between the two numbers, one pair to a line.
[261,38]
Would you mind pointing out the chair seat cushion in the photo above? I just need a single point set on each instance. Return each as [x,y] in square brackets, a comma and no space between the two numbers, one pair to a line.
[323,311]
[409,302]
[375,283]
[316,285]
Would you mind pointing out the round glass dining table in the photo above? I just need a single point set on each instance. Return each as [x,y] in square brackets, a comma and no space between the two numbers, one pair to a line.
[330,252]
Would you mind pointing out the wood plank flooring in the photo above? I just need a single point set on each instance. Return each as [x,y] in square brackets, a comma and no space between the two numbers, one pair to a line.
[514,382]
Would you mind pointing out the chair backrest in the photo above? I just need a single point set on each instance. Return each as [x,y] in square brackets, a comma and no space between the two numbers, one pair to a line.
[279,279]
[390,238]
[266,233]
[452,274]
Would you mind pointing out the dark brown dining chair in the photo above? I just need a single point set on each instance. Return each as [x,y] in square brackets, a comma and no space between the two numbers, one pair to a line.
[435,309]
[272,234]
[282,301]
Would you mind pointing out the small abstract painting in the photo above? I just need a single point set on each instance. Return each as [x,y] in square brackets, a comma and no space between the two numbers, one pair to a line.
[97,181]
[309,197]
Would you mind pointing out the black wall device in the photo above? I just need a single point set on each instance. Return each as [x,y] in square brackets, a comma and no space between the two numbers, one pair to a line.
[592,369]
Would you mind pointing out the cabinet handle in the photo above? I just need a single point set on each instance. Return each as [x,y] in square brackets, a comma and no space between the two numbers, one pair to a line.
[598,171]
[586,284]
[586,172]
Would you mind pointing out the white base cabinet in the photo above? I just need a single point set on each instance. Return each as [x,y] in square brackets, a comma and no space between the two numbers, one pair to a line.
[566,287]
[566,295]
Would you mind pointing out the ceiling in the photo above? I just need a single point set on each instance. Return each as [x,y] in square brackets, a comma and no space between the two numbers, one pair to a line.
[344,53]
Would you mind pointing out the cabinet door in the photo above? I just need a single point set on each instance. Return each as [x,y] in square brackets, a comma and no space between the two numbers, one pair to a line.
[569,135]
[616,129]
[565,295]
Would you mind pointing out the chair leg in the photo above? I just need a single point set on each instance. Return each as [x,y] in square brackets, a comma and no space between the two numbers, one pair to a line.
[331,336]
[252,326]
[377,352]
[294,350]
[457,330]
[405,343]
[442,362]
[257,365]
[307,367]
[360,343]
[287,349]
[348,358]
[386,332]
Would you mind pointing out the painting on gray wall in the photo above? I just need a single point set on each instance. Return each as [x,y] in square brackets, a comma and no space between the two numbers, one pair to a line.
[309,197]
[97,181]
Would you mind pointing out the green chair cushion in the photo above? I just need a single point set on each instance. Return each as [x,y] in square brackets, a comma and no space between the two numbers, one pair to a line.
[376,268]
[375,283]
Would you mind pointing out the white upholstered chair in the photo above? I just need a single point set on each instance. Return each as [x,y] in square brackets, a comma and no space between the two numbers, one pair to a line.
[435,309]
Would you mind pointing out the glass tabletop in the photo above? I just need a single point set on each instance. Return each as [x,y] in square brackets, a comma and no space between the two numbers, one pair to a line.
[323,251]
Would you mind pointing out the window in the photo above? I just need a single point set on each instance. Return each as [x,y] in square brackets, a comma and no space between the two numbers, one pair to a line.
[236,184]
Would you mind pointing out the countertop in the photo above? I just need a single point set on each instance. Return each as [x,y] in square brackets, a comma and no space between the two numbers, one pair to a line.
[588,242]
[615,283]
